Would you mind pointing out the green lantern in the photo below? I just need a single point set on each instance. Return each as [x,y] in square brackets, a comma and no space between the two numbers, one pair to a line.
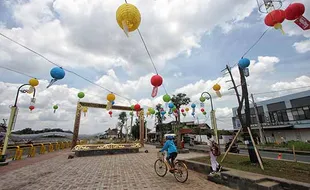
[81,94]
[202,99]
[132,107]
[166,98]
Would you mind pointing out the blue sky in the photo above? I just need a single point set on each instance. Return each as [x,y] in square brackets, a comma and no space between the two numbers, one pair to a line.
[84,38]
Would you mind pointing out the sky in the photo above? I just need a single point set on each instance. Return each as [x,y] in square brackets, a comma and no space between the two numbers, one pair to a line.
[190,41]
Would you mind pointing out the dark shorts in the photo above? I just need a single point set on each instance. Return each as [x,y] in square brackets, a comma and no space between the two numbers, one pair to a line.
[172,156]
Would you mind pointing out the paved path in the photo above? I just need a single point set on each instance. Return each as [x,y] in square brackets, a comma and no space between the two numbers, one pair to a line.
[119,172]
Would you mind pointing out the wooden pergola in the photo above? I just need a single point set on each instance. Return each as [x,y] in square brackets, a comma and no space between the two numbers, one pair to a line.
[79,107]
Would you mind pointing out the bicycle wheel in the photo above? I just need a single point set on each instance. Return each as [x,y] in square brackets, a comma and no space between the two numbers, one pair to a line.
[181,172]
[160,168]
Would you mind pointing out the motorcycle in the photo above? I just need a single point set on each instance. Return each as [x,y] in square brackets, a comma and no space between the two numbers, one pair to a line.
[234,148]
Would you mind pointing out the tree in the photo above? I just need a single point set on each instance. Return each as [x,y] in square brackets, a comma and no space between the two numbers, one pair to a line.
[179,100]
[159,122]
[122,117]
[135,130]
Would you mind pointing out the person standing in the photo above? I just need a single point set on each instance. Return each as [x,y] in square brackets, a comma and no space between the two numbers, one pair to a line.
[214,153]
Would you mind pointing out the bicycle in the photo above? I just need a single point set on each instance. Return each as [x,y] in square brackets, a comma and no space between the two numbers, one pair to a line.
[180,173]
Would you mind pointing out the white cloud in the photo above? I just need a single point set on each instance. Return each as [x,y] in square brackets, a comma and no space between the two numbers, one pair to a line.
[303,46]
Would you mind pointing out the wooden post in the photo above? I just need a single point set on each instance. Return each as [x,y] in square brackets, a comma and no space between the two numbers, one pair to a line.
[231,144]
[294,154]
[76,125]
[141,117]
[256,151]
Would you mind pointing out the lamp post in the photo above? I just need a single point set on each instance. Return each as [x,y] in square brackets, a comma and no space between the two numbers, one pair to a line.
[208,96]
[13,115]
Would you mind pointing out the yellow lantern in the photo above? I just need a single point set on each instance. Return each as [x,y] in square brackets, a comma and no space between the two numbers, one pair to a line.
[111,97]
[85,109]
[34,82]
[186,109]
[217,89]
[128,17]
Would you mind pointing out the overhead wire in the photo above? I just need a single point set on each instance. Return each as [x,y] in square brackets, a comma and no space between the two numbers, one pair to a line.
[15,71]
[48,60]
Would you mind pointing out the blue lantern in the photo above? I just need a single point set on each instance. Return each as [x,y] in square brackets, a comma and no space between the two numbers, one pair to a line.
[244,63]
[113,102]
[193,105]
[57,73]
[170,105]
[163,113]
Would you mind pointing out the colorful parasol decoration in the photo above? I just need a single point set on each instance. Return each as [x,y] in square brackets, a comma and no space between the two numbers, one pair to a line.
[57,73]
[110,113]
[55,107]
[31,108]
[295,13]
[186,109]
[217,89]
[204,113]
[128,17]
[193,106]
[275,19]
[84,109]
[156,81]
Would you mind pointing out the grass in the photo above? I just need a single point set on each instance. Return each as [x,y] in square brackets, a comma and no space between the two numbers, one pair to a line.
[299,145]
[277,168]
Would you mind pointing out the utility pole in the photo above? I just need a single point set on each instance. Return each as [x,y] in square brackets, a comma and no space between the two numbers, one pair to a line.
[245,124]
[260,127]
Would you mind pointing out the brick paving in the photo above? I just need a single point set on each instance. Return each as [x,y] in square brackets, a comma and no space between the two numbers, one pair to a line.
[120,172]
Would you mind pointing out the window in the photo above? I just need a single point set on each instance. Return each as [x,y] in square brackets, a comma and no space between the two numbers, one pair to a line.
[301,113]
[307,112]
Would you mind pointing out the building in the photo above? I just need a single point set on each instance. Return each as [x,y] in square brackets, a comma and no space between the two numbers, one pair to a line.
[283,119]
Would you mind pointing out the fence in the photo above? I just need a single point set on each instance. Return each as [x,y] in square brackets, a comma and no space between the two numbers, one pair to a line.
[31,150]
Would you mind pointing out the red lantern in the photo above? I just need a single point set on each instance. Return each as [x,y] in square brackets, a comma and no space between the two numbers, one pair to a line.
[137,107]
[31,108]
[110,113]
[156,81]
[275,18]
[294,11]
[182,110]
[202,110]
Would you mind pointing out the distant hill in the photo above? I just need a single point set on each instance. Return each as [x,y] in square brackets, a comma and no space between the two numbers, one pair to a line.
[30,131]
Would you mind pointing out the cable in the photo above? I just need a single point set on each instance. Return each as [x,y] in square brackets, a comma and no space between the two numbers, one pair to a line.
[18,72]
[45,58]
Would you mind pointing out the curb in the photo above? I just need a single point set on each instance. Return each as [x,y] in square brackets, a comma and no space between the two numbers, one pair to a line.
[231,178]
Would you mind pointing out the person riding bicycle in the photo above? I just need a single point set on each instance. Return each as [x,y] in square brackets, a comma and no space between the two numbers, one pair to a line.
[172,150]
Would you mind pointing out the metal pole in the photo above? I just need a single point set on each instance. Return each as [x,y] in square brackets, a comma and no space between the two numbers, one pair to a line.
[262,138]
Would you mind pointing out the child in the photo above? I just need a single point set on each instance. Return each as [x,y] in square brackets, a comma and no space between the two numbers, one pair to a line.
[172,150]
[214,153]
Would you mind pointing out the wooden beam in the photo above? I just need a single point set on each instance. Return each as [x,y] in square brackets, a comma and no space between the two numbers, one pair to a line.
[114,107]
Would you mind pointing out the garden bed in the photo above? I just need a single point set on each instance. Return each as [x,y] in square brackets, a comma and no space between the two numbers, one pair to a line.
[277,168]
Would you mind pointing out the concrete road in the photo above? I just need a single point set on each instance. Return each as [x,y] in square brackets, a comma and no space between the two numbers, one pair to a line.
[286,156]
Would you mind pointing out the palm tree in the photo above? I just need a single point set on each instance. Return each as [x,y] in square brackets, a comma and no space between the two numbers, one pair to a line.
[122,117]
[179,100]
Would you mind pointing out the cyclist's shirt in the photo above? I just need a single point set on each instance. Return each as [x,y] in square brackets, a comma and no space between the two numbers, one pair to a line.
[170,147]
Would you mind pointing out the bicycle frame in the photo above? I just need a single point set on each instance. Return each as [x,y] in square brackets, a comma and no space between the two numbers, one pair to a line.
[162,157]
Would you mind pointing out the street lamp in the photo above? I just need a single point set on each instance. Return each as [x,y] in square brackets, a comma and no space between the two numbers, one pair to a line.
[208,96]
[14,110]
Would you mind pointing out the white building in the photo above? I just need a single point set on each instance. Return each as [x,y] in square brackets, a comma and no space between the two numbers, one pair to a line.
[287,117]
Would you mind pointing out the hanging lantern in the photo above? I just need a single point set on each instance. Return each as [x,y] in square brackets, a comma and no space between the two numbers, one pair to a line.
[110,113]
[81,95]
[137,108]
[31,108]
[132,107]
[170,105]
[34,82]
[128,17]
[204,113]
[193,114]
[202,110]
[182,110]
[57,73]
[275,18]
[217,89]
[156,81]
[152,111]
[166,98]
[294,11]
[85,109]
[113,102]
[111,97]
[55,107]
[244,63]
[186,109]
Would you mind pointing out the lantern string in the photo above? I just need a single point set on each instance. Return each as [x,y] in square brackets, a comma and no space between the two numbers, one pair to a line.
[147,50]
[18,72]
[48,60]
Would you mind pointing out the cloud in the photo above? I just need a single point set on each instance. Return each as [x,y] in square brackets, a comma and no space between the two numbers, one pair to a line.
[303,46]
